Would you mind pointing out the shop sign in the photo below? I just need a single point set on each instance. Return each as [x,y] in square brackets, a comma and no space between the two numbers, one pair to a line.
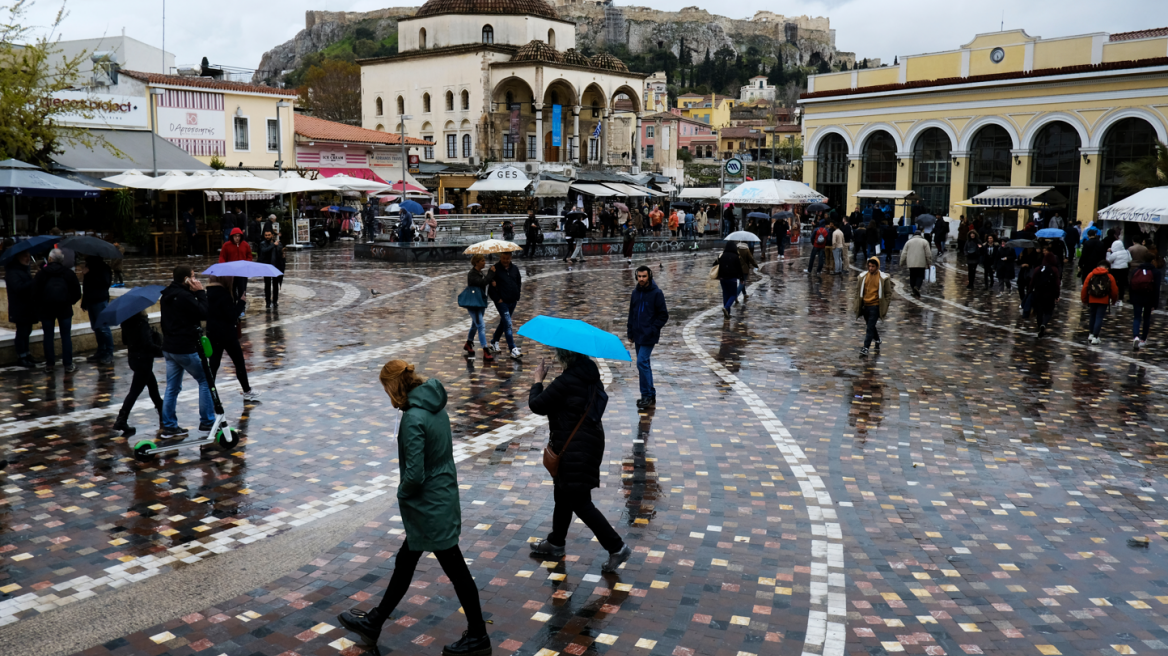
[99,109]
[183,123]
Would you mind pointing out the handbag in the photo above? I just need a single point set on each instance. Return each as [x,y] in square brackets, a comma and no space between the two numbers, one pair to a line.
[714,272]
[472,297]
[931,276]
[551,459]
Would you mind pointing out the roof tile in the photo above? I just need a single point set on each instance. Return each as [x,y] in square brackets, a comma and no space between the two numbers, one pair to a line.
[205,83]
[311,127]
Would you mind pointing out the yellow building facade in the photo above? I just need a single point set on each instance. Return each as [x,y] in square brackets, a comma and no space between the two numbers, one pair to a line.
[1006,109]
[712,110]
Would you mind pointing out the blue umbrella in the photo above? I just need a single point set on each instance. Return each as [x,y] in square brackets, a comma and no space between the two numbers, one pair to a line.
[1050,233]
[574,335]
[129,304]
[31,245]
[243,269]
[412,207]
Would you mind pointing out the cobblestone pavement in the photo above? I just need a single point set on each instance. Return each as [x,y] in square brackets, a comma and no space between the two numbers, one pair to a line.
[969,489]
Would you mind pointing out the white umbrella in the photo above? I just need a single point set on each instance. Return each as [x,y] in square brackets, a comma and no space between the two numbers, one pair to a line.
[349,183]
[223,181]
[488,246]
[135,179]
[1147,206]
[773,192]
[294,184]
[741,235]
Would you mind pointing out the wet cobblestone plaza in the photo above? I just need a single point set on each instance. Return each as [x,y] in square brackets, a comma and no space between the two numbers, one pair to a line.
[970,489]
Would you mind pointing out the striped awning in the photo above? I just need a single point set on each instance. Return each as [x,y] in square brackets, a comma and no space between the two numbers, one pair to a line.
[1018,196]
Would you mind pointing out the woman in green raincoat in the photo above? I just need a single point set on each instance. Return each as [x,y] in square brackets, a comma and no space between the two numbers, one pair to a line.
[428,498]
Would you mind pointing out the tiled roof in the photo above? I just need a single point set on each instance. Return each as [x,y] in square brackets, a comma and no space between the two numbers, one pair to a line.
[575,58]
[206,83]
[736,133]
[607,62]
[1139,34]
[537,50]
[311,127]
[503,7]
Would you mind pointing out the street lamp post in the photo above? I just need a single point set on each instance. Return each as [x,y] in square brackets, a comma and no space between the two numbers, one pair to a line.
[405,158]
[154,93]
[280,144]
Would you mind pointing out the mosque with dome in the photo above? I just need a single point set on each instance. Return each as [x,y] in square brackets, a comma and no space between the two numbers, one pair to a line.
[501,80]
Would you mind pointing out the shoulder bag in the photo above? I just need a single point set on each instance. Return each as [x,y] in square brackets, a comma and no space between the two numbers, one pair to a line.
[714,271]
[472,297]
[551,459]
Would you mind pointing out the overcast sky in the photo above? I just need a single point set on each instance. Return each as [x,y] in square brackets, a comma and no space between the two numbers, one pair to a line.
[237,32]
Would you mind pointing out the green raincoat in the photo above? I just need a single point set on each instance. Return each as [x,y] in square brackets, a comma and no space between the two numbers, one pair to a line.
[428,492]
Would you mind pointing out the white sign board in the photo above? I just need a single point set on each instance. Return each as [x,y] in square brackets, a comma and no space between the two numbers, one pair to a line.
[177,123]
[506,173]
[101,110]
[332,157]
[385,158]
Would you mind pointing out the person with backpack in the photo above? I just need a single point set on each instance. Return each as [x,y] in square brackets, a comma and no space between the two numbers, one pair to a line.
[272,252]
[144,344]
[56,290]
[729,271]
[1099,292]
[972,254]
[819,242]
[1118,258]
[1045,289]
[1144,292]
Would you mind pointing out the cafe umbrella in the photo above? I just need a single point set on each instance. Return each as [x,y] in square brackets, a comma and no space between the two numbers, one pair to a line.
[19,178]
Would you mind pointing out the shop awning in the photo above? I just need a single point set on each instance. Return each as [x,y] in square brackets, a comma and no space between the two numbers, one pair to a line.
[626,190]
[701,192]
[651,192]
[364,174]
[1018,196]
[499,184]
[773,192]
[595,190]
[668,187]
[136,154]
[1146,206]
[886,194]
[550,189]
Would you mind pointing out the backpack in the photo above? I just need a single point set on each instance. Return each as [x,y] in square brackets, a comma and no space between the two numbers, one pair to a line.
[1099,286]
[1142,280]
[970,247]
[821,237]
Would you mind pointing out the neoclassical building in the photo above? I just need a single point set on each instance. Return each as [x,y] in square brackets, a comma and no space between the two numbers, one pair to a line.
[1006,109]
[501,80]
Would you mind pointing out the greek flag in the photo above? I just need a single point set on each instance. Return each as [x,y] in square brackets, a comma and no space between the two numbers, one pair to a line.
[596,132]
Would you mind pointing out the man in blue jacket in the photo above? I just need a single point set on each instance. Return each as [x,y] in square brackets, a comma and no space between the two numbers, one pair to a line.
[647,315]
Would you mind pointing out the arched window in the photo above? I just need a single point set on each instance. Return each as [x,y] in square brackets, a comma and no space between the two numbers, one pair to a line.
[380,107]
[380,128]
[465,100]
[879,163]
[552,39]
[422,39]
[1129,140]
[931,170]
[425,103]
[488,34]
[466,152]
[1056,162]
[555,97]
[831,170]
[450,101]
[510,100]
[989,160]
[401,106]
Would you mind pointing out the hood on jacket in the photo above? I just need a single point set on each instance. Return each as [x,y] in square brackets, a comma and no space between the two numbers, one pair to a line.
[236,231]
[429,396]
[1101,270]
[585,369]
[1117,246]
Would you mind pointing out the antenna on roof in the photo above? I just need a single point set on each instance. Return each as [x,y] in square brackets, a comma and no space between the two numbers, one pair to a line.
[1001,28]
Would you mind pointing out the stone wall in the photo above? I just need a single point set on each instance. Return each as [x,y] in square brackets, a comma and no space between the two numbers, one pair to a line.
[313,18]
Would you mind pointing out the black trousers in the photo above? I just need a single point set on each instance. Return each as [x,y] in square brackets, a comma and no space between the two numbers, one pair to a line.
[871,316]
[579,503]
[23,332]
[916,277]
[235,352]
[272,289]
[528,245]
[239,288]
[988,275]
[143,380]
[455,569]
[972,274]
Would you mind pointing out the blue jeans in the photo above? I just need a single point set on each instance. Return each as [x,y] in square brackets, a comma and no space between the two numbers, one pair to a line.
[645,370]
[65,323]
[1097,312]
[1141,314]
[871,316]
[504,327]
[176,364]
[477,325]
[101,331]
[816,252]
[729,291]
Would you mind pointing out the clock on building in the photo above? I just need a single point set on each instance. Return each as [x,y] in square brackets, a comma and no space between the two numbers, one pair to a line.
[997,55]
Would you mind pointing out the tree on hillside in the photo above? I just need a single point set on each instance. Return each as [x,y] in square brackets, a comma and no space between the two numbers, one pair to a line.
[33,70]
[332,91]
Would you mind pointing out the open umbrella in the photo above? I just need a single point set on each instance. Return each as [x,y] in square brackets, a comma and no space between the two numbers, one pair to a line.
[926,221]
[575,213]
[129,304]
[474,205]
[621,206]
[446,206]
[758,215]
[576,336]
[412,207]
[783,215]
[1021,243]
[243,269]
[1050,233]
[741,235]
[817,207]
[87,245]
[488,246]
[32,245]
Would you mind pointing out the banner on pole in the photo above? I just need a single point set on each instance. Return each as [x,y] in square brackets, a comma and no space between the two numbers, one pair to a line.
[557,130]
[515,124]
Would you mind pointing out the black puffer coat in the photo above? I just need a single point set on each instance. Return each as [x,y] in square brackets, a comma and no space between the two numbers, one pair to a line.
[22,306]
[56,289]
[143,342]
[563,402]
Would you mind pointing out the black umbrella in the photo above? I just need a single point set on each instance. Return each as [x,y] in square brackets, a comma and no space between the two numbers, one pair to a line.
[1021,243]
[758,215]
[926,221]
[575,213]
[91,246]
[32,245]
[817,207]
[783,215]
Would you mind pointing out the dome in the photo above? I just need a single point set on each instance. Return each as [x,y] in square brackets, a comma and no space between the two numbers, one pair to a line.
[575,58]
[504,7]
[537,51]
[607,62]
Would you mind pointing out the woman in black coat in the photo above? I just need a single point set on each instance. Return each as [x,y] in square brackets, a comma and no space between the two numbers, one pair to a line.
[223,312]
[144,344]
[729,271]
[22,309]
[574,404]
[56,288]
[1045,287]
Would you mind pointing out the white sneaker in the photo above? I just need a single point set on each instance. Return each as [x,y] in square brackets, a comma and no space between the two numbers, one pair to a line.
[516,353]
[250,396]
[1136,344]
[1092,340]
[1119,304]
[495,347]
[1143,343]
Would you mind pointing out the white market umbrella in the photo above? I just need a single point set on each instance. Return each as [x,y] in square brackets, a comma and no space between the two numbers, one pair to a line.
[1146,206]
[135,179]
[344,182]
[489,246]
[773,192]
[741,235]
[294,184]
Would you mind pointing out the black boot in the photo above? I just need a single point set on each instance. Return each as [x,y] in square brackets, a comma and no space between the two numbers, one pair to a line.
[365,624]
[469,645]
[121,425]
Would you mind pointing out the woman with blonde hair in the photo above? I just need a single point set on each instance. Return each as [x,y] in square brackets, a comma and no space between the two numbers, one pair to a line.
[427,497]
[430,226]
[476,277]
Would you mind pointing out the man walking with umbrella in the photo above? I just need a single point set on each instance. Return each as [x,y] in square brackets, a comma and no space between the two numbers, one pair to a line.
[94,299]
[647,316]
[504,291]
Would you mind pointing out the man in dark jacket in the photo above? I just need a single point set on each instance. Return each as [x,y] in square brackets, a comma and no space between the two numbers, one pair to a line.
[504,291]
[272,252]
[56,289]
[255,231]
[889,235]
[184,306]
[94,299]
[531,232]
[190,229]
[647,315]
[22,306]
[1094,252]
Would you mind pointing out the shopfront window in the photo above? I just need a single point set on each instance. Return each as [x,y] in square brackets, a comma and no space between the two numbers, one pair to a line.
[1129,140]
[989,160]
[879,163]
[1055,162]
[931,170]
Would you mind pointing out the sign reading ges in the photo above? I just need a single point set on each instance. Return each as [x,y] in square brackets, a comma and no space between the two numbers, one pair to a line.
[506,173]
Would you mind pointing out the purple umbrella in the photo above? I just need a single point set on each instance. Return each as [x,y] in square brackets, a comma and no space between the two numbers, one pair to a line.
[243,269]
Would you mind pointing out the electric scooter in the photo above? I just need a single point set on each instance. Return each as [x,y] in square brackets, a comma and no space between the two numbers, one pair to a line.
[220,433]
